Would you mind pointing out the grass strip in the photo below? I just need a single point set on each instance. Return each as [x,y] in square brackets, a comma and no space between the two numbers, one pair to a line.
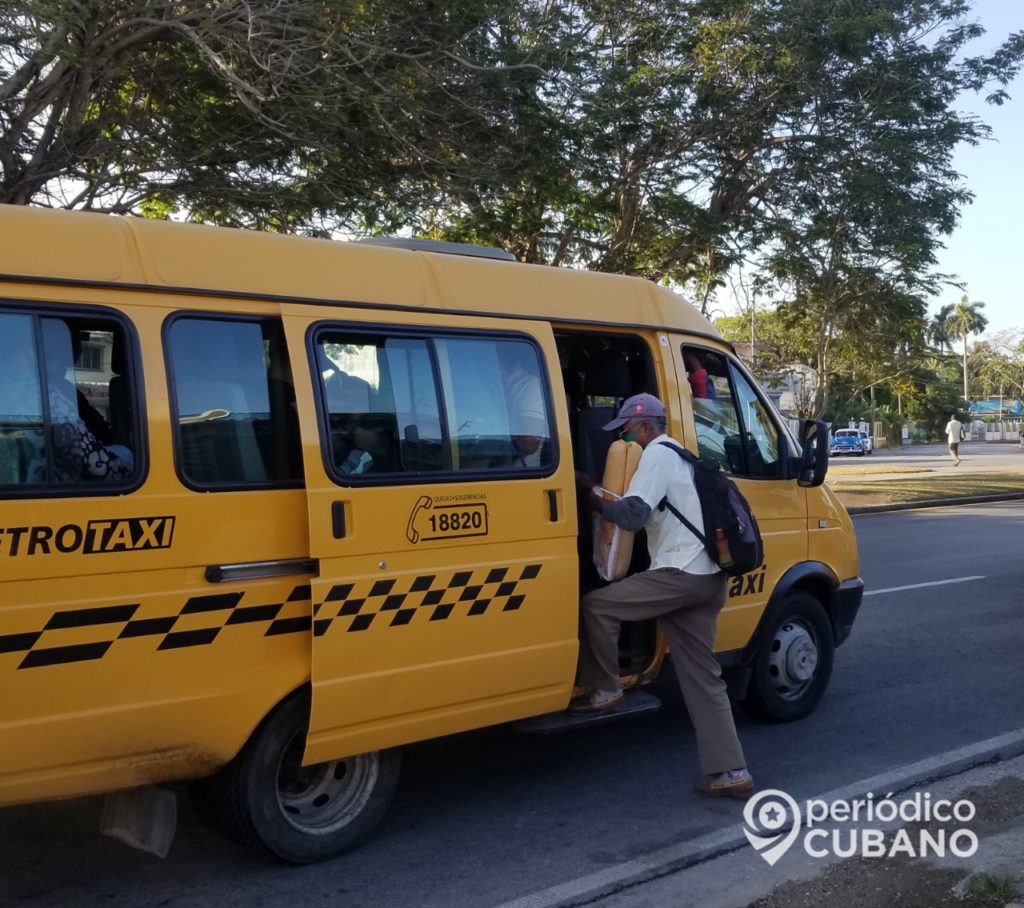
[927,488]
[835,469]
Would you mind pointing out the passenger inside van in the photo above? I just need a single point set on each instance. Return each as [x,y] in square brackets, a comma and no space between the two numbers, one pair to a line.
[525,401]
[345,393]
[701,384]
[366,444]
[94,420]
[77,452]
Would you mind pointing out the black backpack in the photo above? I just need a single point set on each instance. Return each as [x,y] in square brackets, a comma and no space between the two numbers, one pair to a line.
[731,537]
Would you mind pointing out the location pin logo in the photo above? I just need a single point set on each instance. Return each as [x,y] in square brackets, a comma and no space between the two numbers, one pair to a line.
[772,820]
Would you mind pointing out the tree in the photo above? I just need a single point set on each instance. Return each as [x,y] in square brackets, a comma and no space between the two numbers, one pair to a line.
[998,364]
[932,408]
[875,190]
[966,319]
[938,329]
[778,343]
[695,135]
[279,115]
[664,139]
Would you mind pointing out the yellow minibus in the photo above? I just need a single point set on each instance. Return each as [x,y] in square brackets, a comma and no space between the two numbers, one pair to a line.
[274,507]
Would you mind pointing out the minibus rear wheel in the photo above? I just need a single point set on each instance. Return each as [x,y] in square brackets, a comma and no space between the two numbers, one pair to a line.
[793,664]
[265,798]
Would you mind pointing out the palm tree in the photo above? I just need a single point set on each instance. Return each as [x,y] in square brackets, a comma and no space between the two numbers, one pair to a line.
[966,319]
[938,333]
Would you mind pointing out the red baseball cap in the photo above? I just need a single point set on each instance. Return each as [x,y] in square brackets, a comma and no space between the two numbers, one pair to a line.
[636,406]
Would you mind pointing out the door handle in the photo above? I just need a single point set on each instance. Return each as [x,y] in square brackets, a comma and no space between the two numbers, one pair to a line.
[553,504]
[338,519]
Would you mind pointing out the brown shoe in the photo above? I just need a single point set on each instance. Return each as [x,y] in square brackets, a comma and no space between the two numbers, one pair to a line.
[736,783]
[596,701]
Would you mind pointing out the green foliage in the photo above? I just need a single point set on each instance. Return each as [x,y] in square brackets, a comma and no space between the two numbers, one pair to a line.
[932,408]
[812,141]
[778,341]
[283,116]
[964,320]
[997,366]
[989,890]
[892,423]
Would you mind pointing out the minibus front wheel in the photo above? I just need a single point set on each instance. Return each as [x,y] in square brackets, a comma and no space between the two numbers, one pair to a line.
[792,666]
[267,799]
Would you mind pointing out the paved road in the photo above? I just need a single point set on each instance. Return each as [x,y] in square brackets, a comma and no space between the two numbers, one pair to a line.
[976,457]
[487,817]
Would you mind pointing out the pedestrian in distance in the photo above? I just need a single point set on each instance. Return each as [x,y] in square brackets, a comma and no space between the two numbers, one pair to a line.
[954,435]
[683,588]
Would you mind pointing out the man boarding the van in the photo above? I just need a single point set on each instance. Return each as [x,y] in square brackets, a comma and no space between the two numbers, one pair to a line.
[683,588]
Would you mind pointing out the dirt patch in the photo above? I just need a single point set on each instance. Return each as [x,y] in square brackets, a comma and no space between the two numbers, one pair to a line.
[999,805]
[897,883]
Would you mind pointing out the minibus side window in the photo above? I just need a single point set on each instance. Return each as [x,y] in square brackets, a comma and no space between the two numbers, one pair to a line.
[495,403]
[233,403]
[22,427]
[65,403]
[400,405]
[380,399]
[733,425]
[761,431]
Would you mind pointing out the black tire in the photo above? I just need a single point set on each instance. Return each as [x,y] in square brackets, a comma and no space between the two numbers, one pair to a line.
[267,800]
[793,664]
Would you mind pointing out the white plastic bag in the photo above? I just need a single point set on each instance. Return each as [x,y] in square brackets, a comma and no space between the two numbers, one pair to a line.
[613,546]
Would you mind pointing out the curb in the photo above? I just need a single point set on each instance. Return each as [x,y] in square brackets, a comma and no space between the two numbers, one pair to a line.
[677,858]
[933,503]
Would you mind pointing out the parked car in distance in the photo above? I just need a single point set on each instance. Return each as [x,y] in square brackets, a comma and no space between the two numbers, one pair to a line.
[847,441]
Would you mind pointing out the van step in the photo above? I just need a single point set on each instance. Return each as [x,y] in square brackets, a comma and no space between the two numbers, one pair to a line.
[634,703]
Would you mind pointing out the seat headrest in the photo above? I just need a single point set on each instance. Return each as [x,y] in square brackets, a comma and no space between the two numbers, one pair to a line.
[608,375]
[118,356]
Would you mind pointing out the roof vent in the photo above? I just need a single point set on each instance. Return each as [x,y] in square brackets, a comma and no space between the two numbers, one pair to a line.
[417,245]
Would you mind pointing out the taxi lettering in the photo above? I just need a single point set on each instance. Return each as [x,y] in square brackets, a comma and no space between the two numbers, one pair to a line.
[748,584]
[126,534]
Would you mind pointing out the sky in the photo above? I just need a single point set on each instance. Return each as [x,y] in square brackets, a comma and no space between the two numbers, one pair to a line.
[985,250]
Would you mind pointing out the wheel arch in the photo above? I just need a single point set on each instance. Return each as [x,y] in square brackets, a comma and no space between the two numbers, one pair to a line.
[251,801]
[261,718]
[813,577]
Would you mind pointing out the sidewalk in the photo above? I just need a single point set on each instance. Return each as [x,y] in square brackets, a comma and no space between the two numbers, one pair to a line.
[993,876]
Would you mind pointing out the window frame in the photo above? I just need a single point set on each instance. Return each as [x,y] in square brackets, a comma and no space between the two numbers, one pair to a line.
[139,424]
[172,399]
[428,334]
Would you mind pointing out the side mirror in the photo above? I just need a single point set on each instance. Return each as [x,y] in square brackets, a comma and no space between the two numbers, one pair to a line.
[814,460]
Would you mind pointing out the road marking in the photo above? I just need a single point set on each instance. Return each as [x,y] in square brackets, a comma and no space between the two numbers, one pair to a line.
[917,586]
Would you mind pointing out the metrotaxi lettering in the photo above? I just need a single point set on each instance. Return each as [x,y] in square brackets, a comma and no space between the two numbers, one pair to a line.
[126,534]
[748,584]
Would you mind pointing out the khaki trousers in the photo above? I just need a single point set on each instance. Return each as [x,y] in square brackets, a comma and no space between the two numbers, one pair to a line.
[687,605]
